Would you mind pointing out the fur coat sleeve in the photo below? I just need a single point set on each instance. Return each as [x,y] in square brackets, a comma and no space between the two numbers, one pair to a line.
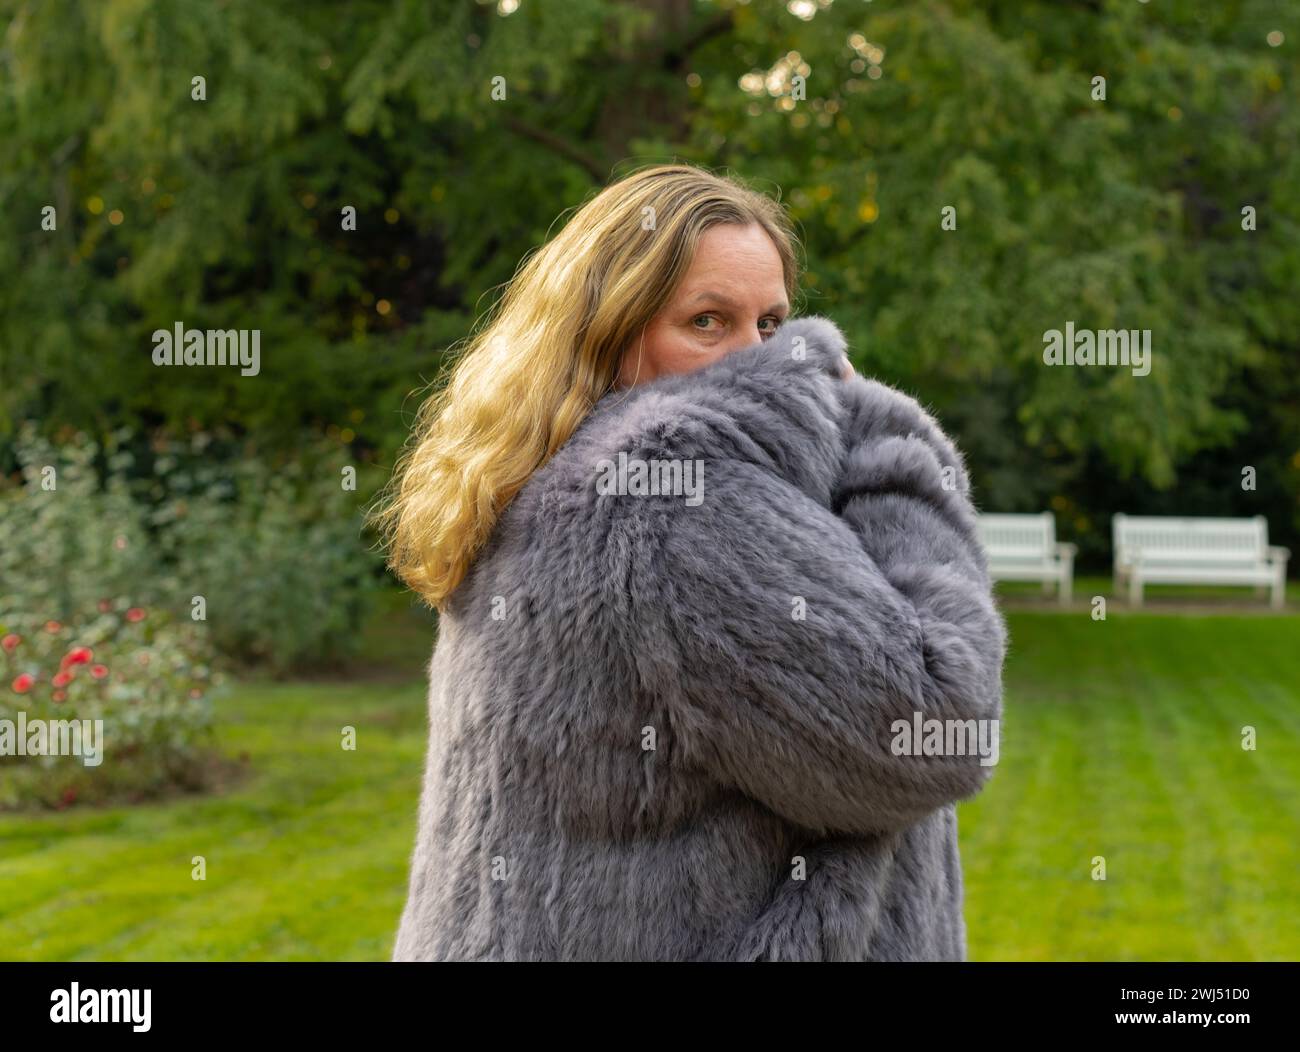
[829,584]
[661,724]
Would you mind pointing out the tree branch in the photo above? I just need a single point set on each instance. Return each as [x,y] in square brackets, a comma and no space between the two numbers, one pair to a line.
[598,171]
[676,56]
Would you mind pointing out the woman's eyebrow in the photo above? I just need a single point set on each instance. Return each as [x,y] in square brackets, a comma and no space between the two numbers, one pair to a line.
[727,301]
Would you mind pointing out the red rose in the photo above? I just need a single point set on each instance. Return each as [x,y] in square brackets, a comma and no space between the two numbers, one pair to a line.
[98,671]
[10,641]
[62,679]
[135,614]
[105,606]
[58,695]
[52,626]
[24,683]
[79,656]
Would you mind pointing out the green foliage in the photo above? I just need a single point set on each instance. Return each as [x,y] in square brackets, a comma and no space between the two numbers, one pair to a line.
[86,636]
[270,558]
[1117,213]
[280,560]
[144,675]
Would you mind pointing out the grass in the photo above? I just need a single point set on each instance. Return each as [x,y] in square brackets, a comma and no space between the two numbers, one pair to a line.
[1177,599]
[1120,739]
[305,860]
[1123,739]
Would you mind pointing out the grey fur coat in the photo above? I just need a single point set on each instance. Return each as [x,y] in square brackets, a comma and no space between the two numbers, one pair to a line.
[667,718]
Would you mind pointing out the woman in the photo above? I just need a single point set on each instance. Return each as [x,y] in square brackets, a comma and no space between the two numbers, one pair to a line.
[694,577]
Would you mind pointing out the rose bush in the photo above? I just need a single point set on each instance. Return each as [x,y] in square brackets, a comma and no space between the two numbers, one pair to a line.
[130,573]
[146,675]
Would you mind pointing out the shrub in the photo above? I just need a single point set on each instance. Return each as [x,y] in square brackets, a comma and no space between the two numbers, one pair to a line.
[230,561]
[145,675]
[275,555]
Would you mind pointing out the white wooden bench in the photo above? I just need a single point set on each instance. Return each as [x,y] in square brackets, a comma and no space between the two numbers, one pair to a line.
[1024,548]
[1161,550]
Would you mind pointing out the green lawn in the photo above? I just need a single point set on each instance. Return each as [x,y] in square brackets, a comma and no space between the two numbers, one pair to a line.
[1121,738]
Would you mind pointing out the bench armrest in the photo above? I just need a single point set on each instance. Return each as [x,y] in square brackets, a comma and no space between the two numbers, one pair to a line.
[1066,550]
[1278,554]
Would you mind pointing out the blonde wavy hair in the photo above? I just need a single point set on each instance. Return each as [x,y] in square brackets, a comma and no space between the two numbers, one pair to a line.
[543,356]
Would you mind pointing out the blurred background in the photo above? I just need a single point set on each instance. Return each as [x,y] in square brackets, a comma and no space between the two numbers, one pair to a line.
[182,550]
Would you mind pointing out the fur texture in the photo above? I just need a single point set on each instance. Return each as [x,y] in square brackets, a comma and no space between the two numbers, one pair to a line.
[594,624]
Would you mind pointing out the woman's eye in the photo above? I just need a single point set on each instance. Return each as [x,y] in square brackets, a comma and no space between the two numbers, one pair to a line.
[766,326]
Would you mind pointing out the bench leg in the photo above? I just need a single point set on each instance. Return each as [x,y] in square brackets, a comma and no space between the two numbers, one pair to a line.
[1064,589]
[1279,593]
[1134,589]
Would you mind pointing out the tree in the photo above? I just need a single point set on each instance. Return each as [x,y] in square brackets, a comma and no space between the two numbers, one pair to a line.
[961,187]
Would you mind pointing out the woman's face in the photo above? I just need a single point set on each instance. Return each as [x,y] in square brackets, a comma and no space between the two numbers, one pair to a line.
[732,296]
